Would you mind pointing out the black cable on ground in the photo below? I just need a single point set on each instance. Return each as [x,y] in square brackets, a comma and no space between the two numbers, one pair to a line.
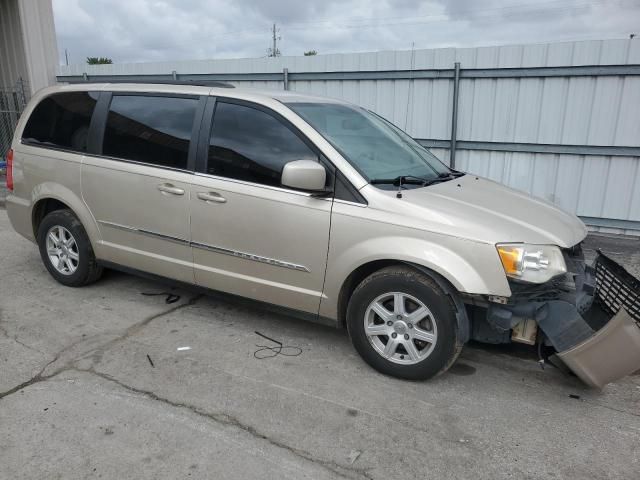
[270,352]
[170,297]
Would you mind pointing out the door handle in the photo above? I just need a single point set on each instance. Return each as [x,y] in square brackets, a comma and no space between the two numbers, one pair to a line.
[169,188]
[211,197]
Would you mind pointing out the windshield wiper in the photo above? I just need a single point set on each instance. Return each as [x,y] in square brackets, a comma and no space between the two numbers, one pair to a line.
[404,179]
[450,175]
[413,180]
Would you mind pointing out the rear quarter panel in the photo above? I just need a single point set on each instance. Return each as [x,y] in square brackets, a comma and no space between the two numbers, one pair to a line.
[41,173]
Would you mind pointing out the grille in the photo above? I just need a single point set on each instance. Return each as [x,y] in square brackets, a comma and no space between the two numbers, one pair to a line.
[616,288]
[544,292]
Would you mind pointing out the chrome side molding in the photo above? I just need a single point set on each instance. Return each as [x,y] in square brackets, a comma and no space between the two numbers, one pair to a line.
[251,256]
[212,248]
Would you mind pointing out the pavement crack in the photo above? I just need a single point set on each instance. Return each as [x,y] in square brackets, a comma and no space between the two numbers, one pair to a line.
[5,333]
[133,329]
[614,409]
[229,420]
[37,378]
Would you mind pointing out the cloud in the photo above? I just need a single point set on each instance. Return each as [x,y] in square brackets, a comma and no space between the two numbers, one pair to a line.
[158,30]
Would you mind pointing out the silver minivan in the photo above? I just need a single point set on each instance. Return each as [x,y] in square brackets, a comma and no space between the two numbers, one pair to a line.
[313,205]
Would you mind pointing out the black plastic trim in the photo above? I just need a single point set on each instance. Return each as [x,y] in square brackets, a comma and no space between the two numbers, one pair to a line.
[133,93]
[204,134]
[98,124]
[195,131]
[344,190]
[462,318]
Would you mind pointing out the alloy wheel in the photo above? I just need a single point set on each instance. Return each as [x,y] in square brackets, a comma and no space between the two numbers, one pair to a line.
[400,328]
[62,250]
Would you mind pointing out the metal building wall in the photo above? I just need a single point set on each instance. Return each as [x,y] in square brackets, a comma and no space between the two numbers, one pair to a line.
[12,58]
[28,47]
[555,111]
[40,43]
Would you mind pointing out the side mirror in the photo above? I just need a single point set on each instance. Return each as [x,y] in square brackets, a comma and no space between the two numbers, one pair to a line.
[304,175]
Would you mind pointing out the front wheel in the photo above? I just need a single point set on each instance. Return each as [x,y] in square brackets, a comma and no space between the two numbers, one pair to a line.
[403,324]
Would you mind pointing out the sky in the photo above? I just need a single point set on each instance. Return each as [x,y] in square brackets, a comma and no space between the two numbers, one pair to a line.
[159,30]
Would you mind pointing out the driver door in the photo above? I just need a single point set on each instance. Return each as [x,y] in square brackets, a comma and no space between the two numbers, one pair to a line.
[250,235]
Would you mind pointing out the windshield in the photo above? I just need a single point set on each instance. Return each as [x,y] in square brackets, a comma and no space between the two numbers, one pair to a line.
[374,146]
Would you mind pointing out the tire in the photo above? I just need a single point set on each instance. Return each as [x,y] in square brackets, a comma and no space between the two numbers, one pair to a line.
[83,268]
[434,335]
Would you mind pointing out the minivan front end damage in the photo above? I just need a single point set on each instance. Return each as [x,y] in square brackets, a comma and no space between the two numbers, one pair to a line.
[590,316]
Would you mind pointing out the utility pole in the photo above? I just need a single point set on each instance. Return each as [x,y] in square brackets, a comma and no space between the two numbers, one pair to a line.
[273,51]
[66,56]
[275,46]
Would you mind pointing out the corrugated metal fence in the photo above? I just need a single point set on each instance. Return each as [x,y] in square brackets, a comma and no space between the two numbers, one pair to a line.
[12,103]
[560,121]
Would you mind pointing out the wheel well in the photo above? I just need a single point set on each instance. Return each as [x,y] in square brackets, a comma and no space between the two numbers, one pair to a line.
[354,279]
[42,208]
[363,271]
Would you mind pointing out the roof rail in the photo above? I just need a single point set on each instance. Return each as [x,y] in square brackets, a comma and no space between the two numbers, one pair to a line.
[196,83]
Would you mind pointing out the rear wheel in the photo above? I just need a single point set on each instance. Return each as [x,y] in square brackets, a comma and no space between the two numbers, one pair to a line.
[66,250]
[403,324]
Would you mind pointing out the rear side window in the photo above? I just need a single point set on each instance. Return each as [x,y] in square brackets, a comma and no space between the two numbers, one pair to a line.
[61,121]
[154,130]
[249,144]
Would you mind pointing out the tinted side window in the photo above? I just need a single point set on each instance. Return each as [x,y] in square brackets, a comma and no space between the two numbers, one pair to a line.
[62,121]
[251,145]
[154,130]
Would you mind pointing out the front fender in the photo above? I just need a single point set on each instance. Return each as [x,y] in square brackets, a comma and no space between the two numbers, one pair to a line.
[471,267]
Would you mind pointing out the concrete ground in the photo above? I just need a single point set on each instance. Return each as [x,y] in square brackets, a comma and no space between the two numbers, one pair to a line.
[94,384]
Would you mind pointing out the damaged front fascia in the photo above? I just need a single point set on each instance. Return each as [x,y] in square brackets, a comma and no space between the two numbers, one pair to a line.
[599,345]
[557,307]
[558,319]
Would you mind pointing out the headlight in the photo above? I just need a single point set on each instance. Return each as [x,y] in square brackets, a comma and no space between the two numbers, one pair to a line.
[531,263]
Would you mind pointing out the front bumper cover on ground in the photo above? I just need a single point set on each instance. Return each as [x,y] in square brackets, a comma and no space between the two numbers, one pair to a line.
[594,325]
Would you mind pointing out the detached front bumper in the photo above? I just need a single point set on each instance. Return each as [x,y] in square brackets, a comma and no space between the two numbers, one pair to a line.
[591,317]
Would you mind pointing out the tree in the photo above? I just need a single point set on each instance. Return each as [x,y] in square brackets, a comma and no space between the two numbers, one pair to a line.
[99,61]
[310,53]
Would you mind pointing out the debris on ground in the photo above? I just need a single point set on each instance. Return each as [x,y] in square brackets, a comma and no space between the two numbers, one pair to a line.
[353,456]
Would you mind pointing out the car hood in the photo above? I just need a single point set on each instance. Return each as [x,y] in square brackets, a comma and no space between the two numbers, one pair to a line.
[479,209]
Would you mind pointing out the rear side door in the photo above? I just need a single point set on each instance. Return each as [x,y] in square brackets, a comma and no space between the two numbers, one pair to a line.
[250,235]
[136,183]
